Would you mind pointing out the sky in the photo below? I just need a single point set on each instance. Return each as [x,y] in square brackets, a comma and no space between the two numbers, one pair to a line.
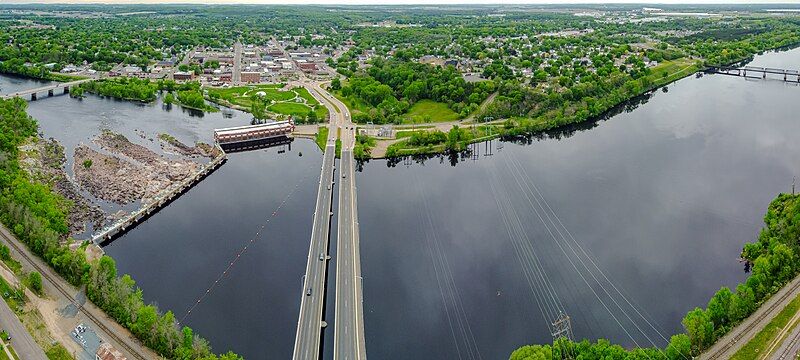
[387,2]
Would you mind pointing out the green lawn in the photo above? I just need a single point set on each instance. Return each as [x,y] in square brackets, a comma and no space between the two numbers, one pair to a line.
[322,137]
[296,102]
[303,93]
[240,95]
[288,108]
[58,352]
[274,95]
[425,111]
[764,338]
[672,70]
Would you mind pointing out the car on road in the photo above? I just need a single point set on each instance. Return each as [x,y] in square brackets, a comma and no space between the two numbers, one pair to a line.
[321,256]
[308,292]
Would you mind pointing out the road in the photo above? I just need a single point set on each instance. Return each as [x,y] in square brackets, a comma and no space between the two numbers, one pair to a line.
[348,338]
[236,77]
[729,344]
[185,61]
[310,323]
[349,325]
[21,340]
[45,88]
[89,314]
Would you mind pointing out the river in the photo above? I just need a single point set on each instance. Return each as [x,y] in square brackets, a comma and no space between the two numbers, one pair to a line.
[661,197]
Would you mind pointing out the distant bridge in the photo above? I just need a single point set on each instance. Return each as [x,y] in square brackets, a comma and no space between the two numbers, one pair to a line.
[49,89]
[760,72]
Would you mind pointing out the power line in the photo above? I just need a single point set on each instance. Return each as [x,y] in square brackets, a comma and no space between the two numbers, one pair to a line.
[242,251]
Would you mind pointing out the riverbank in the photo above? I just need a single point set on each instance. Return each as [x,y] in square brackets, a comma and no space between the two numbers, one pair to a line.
[662,75]
[528,127]
[38,217]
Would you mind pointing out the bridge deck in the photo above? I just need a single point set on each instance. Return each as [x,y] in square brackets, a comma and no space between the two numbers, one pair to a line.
[45,88]
[310,323]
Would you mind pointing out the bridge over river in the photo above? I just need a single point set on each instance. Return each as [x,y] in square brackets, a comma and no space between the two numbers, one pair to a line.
[49,89]
[348,342]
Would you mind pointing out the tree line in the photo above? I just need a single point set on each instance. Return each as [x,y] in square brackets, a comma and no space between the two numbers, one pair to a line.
[390,87]
[772,261]
[38,217]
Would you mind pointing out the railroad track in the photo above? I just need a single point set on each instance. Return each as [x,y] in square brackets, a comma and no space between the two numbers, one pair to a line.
[718,354]
[66,294]
[787,352]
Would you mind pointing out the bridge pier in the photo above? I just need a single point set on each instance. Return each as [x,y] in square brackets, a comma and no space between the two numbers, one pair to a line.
[33,97]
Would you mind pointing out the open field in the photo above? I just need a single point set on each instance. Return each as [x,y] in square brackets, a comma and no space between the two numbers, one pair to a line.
[427,111]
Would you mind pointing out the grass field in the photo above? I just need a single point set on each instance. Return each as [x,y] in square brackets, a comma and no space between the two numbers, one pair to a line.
[762,340]
[426,111]
[672,70]
[296,102]
[322,136]
[288,108]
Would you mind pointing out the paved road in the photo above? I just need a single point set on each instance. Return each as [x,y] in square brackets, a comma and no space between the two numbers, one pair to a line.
[21,340]
[348,338]
[309,325]
[349,324]
[45,88]
[236,77]
[88,313]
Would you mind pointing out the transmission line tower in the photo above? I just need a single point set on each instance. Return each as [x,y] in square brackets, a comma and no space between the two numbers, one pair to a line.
[562,328]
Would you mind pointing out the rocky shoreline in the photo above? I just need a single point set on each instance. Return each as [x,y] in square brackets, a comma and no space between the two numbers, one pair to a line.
[44,159]
[129,172]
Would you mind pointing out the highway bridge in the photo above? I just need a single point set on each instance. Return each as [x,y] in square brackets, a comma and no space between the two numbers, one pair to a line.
[310,324]
[348,342]
[49,89]
[348,338]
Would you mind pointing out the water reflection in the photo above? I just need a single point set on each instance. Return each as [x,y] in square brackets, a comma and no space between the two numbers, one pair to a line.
[662,198]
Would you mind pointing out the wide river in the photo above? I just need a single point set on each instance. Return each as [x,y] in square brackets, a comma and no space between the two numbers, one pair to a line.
[624,225]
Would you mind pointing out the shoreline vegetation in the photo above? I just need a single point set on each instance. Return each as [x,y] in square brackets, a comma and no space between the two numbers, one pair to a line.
[521,110]
[772,261]
[17,67]
[37,216]
[188,94]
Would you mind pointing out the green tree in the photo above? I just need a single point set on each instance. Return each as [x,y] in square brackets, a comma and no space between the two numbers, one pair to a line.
[35,281]
[679,347]
[699,329]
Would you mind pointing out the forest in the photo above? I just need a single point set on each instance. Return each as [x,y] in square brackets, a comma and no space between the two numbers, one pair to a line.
[390,87]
